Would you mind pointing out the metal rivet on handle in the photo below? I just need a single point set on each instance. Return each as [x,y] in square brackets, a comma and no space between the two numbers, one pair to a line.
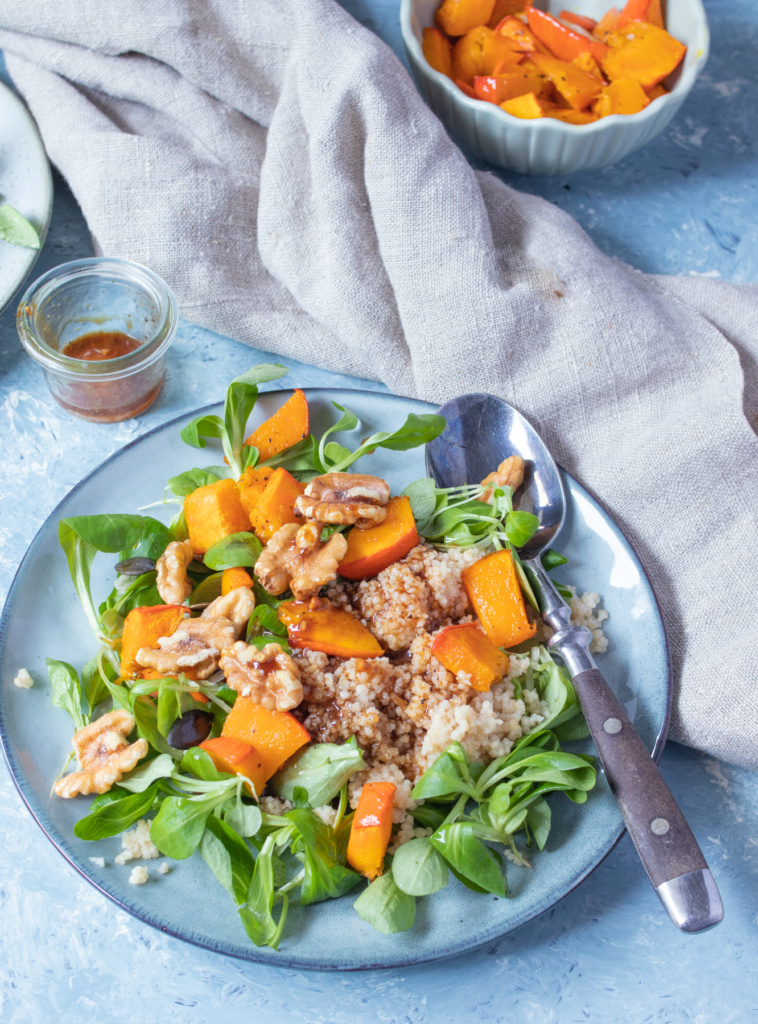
[612,725]
[659,826]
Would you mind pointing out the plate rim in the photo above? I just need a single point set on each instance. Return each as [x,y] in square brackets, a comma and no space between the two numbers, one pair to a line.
[284,959]
[8,94]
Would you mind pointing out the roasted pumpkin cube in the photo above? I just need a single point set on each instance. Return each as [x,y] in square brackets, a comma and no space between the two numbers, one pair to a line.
[371,829]
[284,429]
[561,41]
[479,52]
[143,627]
[495,595]
[370,551]
[465,648]
[438,51]
[456,17]
[527,107]
[232,579]
[504,8]
[624,96]
[572,116]
[330,630]
[587,63]
[212,513]
[656,92]
[576,87]
[499,88]
[238,758]
[642,52]
[252,484]
[276,506]
[607,24]
[275,735]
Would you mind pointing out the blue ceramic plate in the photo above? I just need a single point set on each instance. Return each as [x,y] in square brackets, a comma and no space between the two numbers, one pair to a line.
[42,618]
[26,183]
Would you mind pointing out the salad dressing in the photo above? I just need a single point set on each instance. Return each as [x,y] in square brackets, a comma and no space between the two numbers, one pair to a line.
[101,345]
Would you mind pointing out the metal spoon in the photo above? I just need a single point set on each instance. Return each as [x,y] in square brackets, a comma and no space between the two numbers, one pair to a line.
[481,431]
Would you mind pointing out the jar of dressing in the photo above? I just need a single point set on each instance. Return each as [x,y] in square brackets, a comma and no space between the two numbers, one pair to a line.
[100,329]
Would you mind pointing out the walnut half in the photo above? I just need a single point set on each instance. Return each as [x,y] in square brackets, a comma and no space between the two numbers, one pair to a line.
[343,499]
[173,583]
[104,755]
[510,473]
[198,643]
[296,558]
[269,677]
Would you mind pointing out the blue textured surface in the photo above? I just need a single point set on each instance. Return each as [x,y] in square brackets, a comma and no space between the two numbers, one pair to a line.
[606,954]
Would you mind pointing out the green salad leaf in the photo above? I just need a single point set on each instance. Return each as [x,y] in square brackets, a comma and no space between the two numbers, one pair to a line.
[237,549]
[419,869]
[16,229]
[385,906]
[321,770]
[67,691]
[81,537]
[115,815]
[241,396]
[257,912]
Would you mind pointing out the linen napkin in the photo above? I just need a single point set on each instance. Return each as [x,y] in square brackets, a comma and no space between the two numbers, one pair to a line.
[273,162]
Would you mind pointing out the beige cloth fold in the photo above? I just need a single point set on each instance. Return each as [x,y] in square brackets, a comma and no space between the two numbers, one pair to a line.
[272,160]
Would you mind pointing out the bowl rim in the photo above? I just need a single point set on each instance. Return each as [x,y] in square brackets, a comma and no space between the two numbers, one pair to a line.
[546,125]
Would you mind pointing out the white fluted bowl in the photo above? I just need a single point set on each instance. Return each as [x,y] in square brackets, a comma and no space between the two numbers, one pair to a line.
[545,145]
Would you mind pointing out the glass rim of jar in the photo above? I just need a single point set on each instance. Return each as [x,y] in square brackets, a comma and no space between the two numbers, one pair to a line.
[103,369]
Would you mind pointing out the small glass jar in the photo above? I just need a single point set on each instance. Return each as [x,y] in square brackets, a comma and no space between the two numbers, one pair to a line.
[99,295]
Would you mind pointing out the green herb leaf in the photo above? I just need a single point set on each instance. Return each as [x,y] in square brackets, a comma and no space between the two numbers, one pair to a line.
[245,819]
[238,549]
[16,229]
[153,541]
[321,770]
[169,706]
[241,396]
[200,763]
[217,857]
[328,451]
[189,481]
[447,776]
[552,559]
[386,907]
[113,817]
[416,431]
[257,911]
[418,868]
[520,527]
[325,878]
[145,714]
[265,620]
[201,428]
[239,859]
[539,819]
[138,780]
[67,693]
[471,858]
[430,814]
[423,498]
[178,827]
[94,687]
[81,537]
[208,589]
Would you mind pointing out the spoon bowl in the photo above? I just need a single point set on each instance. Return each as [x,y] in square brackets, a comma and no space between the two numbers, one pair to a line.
[481,431]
